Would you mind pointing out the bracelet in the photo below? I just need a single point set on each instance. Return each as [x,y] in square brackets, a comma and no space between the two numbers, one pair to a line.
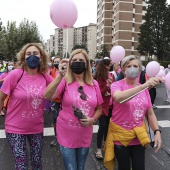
[156,131]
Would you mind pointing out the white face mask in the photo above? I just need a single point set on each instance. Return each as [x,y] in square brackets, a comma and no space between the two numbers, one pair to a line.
[49,64]
[10,68]
[0,65]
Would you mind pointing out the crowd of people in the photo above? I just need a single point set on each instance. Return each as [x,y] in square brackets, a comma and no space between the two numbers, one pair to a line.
[78,92]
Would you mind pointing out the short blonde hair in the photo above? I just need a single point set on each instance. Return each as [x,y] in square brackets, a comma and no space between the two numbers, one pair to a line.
[127,59]
[87,74]
[44,57]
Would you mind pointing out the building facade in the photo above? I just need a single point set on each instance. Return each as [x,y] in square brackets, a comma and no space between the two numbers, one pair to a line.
[118,23]
[65,39]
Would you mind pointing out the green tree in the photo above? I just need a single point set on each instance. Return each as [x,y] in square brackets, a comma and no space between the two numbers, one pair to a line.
[0,24]
[80,46]
[8,40]
[66,55]
[52,53]
[153,37]
[103,52]
[13,38]
[60,54]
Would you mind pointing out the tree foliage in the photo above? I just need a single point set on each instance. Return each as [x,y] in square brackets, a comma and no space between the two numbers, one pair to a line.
[103,52]
[80,46]
[13,38]
[155,31]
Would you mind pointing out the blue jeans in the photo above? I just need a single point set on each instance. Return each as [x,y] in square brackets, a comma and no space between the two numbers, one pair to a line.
[74,158]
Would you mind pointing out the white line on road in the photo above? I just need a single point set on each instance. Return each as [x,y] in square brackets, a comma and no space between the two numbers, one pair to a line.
[163,106]
[49,131]
[164,123]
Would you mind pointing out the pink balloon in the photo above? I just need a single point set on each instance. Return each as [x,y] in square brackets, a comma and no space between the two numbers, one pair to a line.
[117,53]
[161,74]
[162,68]
[152,68]
[63,13]
[167,81]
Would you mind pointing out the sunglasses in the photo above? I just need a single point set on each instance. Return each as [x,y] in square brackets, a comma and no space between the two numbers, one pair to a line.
[83,95]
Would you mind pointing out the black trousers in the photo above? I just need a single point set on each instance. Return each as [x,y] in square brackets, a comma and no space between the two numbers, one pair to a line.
[130,156]
[102,132]
[152,93]
[103,128]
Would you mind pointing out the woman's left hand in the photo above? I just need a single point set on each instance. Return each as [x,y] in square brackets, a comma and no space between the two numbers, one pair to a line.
[158,141]
[87,122]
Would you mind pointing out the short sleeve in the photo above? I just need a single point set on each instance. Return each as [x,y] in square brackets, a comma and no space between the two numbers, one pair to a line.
[116,86]
[2,76]
[10,81]
[61,87]
[98,93]
[49,78]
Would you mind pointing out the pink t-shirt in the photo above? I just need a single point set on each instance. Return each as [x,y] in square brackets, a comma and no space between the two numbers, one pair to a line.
[3,75]
[132,113]
[26,105]
[70,132]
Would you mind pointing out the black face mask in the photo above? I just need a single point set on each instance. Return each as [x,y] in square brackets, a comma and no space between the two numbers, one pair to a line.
[78,67]
[56,65]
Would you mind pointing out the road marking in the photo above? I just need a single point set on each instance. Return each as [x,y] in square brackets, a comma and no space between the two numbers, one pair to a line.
[49,131]
[163,106]
[164,123]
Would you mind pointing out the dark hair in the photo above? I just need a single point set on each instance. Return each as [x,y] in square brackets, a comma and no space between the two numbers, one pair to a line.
[101,70]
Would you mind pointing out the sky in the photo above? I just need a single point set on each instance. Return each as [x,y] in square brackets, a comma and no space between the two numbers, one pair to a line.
[39,11]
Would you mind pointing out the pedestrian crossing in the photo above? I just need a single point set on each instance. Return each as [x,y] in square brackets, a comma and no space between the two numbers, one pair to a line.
[48,131]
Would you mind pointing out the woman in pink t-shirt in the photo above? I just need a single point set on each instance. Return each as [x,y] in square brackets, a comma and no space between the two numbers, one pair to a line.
[24,118]
[128,115]
[81,107]
[104,79]
[9,67]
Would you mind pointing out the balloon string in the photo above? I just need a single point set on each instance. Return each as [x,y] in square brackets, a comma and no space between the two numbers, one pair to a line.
[67,43]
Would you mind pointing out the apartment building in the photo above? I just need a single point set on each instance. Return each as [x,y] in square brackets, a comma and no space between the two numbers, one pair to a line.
[91,40]
[65,39]
[118,23]
[50,44]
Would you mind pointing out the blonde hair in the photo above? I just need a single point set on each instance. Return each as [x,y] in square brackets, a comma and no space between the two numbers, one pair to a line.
[44,57]
[127,59]
[87,74]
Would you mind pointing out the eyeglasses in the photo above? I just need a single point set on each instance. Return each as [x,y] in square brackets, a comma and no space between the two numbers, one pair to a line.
[83,95]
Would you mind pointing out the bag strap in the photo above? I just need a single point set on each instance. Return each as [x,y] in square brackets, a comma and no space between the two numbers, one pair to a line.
[149,128]
[18,80]
[44,77]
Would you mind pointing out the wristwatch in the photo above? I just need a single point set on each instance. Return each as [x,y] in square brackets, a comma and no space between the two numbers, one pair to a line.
[156,131]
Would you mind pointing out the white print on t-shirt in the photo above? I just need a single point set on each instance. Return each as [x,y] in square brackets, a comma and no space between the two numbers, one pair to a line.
[32,114]
[34,92]
[76,124]
[34,100]
[137,111]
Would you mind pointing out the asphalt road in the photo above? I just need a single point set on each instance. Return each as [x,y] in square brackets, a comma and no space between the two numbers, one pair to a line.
[51,157]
